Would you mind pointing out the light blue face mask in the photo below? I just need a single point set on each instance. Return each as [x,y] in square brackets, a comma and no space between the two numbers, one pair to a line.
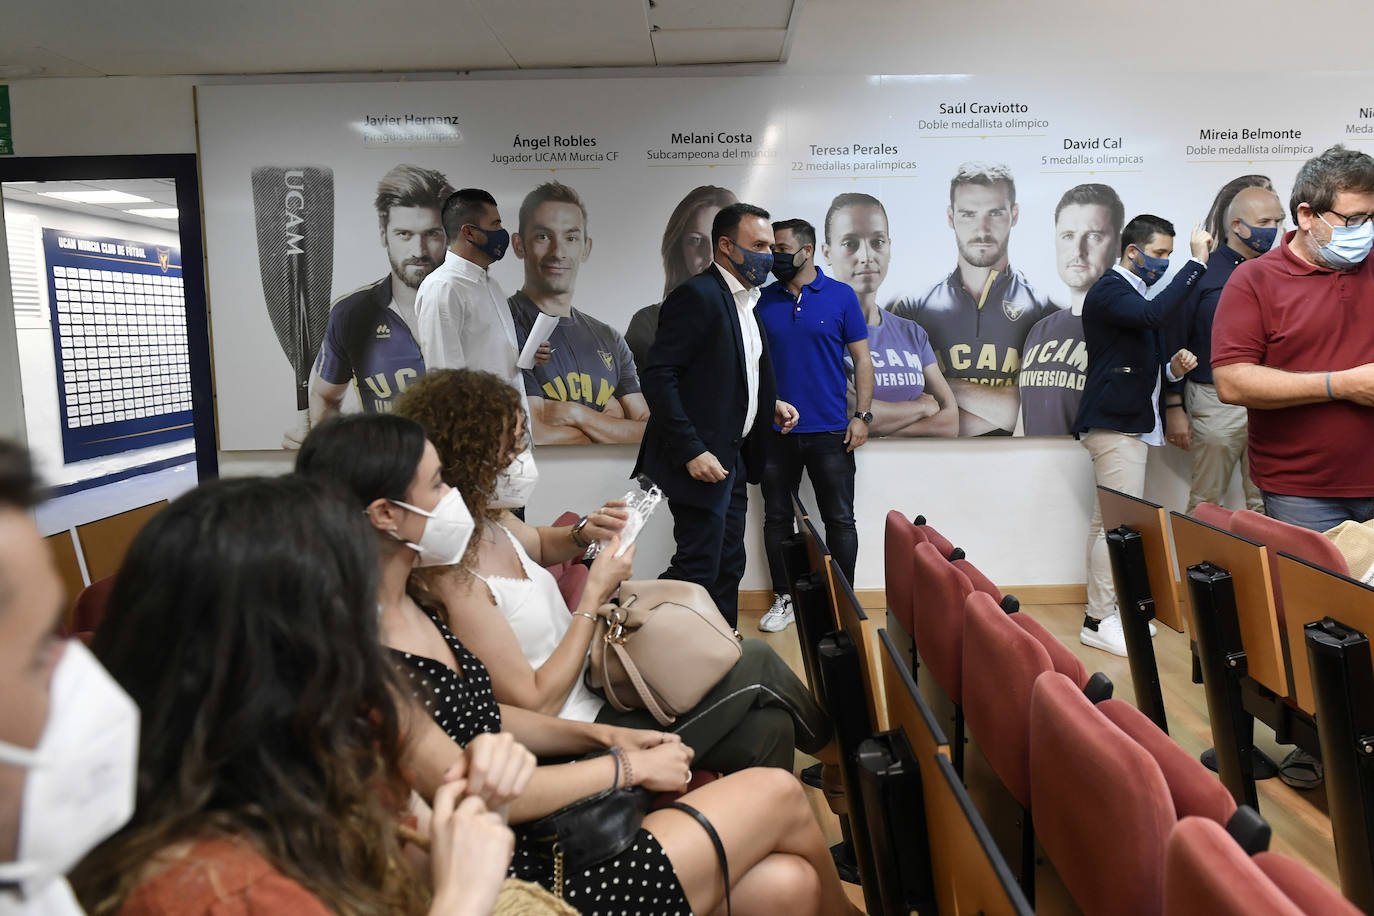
[1150,269]
[1349,245]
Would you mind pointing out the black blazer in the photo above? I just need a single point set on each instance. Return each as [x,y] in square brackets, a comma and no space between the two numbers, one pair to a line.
[1124,334]
[695,385]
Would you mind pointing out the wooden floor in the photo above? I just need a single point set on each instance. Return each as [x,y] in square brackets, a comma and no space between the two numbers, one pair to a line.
[1298,818]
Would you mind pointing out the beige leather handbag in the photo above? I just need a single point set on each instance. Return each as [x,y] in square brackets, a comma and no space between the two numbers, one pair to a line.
[661,648]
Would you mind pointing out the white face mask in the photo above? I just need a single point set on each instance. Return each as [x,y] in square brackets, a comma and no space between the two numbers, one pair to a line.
[81,780]
[516,483]
[448,528]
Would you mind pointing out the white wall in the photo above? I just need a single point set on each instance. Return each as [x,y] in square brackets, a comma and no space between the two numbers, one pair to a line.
[1019,507]
[42,416]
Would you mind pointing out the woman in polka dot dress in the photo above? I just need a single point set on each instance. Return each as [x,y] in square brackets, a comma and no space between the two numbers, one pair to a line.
[778,859]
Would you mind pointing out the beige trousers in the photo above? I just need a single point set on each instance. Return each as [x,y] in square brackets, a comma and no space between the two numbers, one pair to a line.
[1119,463]
[1219,437]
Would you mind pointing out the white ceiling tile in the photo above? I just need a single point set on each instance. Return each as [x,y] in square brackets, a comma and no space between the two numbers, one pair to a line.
[156,37]
[718,46]
[42,61]
[718,14]
[559,33]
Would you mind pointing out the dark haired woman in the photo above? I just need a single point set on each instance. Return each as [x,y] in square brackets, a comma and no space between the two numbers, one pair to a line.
[686,251]
[243,623]
[778,859]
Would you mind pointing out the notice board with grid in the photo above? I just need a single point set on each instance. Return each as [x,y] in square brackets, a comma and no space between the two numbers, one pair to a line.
[119,339]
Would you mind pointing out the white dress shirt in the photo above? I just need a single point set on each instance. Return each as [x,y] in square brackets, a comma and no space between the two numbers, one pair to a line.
[464,322]
[745,300]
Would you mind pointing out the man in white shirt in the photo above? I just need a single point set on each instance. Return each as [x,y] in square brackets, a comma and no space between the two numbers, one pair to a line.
[1119,416]
[712,403]
[464,321]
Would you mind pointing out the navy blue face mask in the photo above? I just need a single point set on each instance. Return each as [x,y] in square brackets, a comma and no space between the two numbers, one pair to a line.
[1261,239]
[753,266]
[1150,269]
[785,265]
[495,246]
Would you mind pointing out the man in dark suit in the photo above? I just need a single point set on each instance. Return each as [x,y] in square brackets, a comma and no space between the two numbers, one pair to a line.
[1119,416]
[712,403]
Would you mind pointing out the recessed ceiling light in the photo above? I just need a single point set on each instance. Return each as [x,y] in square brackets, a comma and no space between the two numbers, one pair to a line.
[97,197]
[156,212]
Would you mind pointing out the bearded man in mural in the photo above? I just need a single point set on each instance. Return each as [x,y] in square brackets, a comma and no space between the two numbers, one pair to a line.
[588,391]
[978,316]
[371,338]
[1087,235]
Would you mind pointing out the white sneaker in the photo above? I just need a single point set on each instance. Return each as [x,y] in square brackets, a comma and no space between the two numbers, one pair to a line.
[1104,634]
[779,616]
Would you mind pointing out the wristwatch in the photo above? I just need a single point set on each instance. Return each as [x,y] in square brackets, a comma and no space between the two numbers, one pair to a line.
[865,415]
[577,537]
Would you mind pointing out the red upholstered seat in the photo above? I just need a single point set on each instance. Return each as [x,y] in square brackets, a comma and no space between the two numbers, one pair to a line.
[938,617]
[89,608]
[1207,874]
[941,542]
[1312,895]
[900,538]
[979,581]
[1102,807]
[1064,661]
[1214,515]
[1195,790]
[570,575]
[1303,543]
[1001,664]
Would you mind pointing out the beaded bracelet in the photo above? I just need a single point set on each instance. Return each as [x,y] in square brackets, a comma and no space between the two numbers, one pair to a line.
[616,754]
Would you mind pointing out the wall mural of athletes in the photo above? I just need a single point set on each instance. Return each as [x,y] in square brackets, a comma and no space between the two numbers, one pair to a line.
[608,189]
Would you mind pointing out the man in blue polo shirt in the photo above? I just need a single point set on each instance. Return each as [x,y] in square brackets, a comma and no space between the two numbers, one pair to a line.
[812,322]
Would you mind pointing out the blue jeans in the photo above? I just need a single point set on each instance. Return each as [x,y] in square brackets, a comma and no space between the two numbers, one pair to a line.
[831,468]
[1320,513]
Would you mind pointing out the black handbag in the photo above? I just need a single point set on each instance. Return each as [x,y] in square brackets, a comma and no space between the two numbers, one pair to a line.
[589,830]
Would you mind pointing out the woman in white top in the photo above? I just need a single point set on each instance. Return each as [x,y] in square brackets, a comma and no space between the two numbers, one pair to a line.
[506,607]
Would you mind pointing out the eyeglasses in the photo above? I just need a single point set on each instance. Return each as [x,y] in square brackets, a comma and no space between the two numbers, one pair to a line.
[1353,222]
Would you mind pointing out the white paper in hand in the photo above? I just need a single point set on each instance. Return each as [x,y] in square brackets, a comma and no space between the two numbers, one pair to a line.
[543,327]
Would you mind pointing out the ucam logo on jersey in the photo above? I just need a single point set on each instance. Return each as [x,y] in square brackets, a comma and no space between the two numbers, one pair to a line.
[1012,309]
[383,332]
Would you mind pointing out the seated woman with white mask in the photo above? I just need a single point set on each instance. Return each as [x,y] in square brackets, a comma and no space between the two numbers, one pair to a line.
[777,857]
[505,607]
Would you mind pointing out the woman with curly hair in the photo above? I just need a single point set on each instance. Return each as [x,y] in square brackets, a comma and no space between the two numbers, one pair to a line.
[776,854]
[505,607]
[243,623]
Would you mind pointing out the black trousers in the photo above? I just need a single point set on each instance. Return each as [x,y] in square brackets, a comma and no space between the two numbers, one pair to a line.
[710,543]
[759,714]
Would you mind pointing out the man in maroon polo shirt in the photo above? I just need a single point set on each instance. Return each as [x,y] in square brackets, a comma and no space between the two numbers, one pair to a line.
[1292,340]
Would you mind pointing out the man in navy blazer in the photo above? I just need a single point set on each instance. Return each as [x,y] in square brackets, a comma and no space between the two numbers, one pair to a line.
[712,402]
[1119,416]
